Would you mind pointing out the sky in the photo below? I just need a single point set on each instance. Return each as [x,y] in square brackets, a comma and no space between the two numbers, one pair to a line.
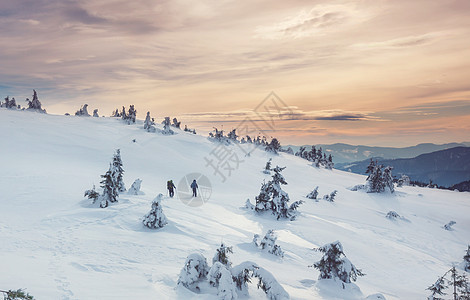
[374,72]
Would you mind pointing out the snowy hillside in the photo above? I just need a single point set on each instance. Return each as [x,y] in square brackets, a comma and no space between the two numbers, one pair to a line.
[55,244]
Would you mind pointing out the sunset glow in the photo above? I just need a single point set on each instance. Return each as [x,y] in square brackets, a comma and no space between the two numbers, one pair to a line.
[391,73]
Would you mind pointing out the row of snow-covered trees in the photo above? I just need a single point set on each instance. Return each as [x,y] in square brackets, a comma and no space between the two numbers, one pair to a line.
[33,105]
[317,157]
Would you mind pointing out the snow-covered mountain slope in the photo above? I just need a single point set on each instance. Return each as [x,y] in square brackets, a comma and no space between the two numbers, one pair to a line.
[59,247]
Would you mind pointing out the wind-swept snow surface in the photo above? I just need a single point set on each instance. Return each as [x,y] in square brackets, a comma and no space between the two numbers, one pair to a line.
[57,245]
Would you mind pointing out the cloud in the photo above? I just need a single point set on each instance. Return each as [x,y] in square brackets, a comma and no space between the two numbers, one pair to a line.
[311,22]
[402,42]
[79,14]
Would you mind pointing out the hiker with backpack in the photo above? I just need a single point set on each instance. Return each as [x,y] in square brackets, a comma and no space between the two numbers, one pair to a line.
[171,187]
[194,187]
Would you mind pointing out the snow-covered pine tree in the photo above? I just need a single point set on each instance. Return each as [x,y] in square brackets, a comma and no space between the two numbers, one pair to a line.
[166,127]
[149,123]
[280,198]
[109,189]
[392,215]
[268,243]
[131,115]
[193,131]
[123,113]
[221,255]
[388,179]
[155,218]
[92,194]
[466,260]
[330,164]
[135,188]
[232,136]
[176,124]
[331,196]
[460,284]
[313,194]
[263,200]
[437,289]
[19,294]
[83,111]
[267,168]
[243,273]
[274,146]
[95,113]
[273,198]
[301,151]
[375,183]
[334,264]
[35,104]
[9,103]
[115,113]
[227,289]
[118,171]
[449,225]
[194,271]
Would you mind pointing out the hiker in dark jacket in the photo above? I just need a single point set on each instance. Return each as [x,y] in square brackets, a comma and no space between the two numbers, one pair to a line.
[171,187]
[194,187]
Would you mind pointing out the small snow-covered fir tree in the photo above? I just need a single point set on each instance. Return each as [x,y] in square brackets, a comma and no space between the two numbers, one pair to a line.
[313,194]
[218,136]
[35,104]
[274,146]
[466,260]
[195,271]
[232,136]
[227,289]
[221,278]
[392,215]
[149,123]
[92,194]
[83,111]
[244,272]
[166,127]
[334,264]
[110,191]
[268,243]
[331,197]
[375,183]
[267,168]
[221,255]
[155,218]
[273,198]
[388,179]
[176,124]
[186,129]
[135,188]
[95,113]
[449,225]
[118,171]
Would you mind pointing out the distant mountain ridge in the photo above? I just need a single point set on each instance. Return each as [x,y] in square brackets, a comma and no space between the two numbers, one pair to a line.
[445,167]
[343,153]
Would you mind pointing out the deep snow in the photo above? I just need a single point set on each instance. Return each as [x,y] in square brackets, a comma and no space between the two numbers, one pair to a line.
[55,244]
